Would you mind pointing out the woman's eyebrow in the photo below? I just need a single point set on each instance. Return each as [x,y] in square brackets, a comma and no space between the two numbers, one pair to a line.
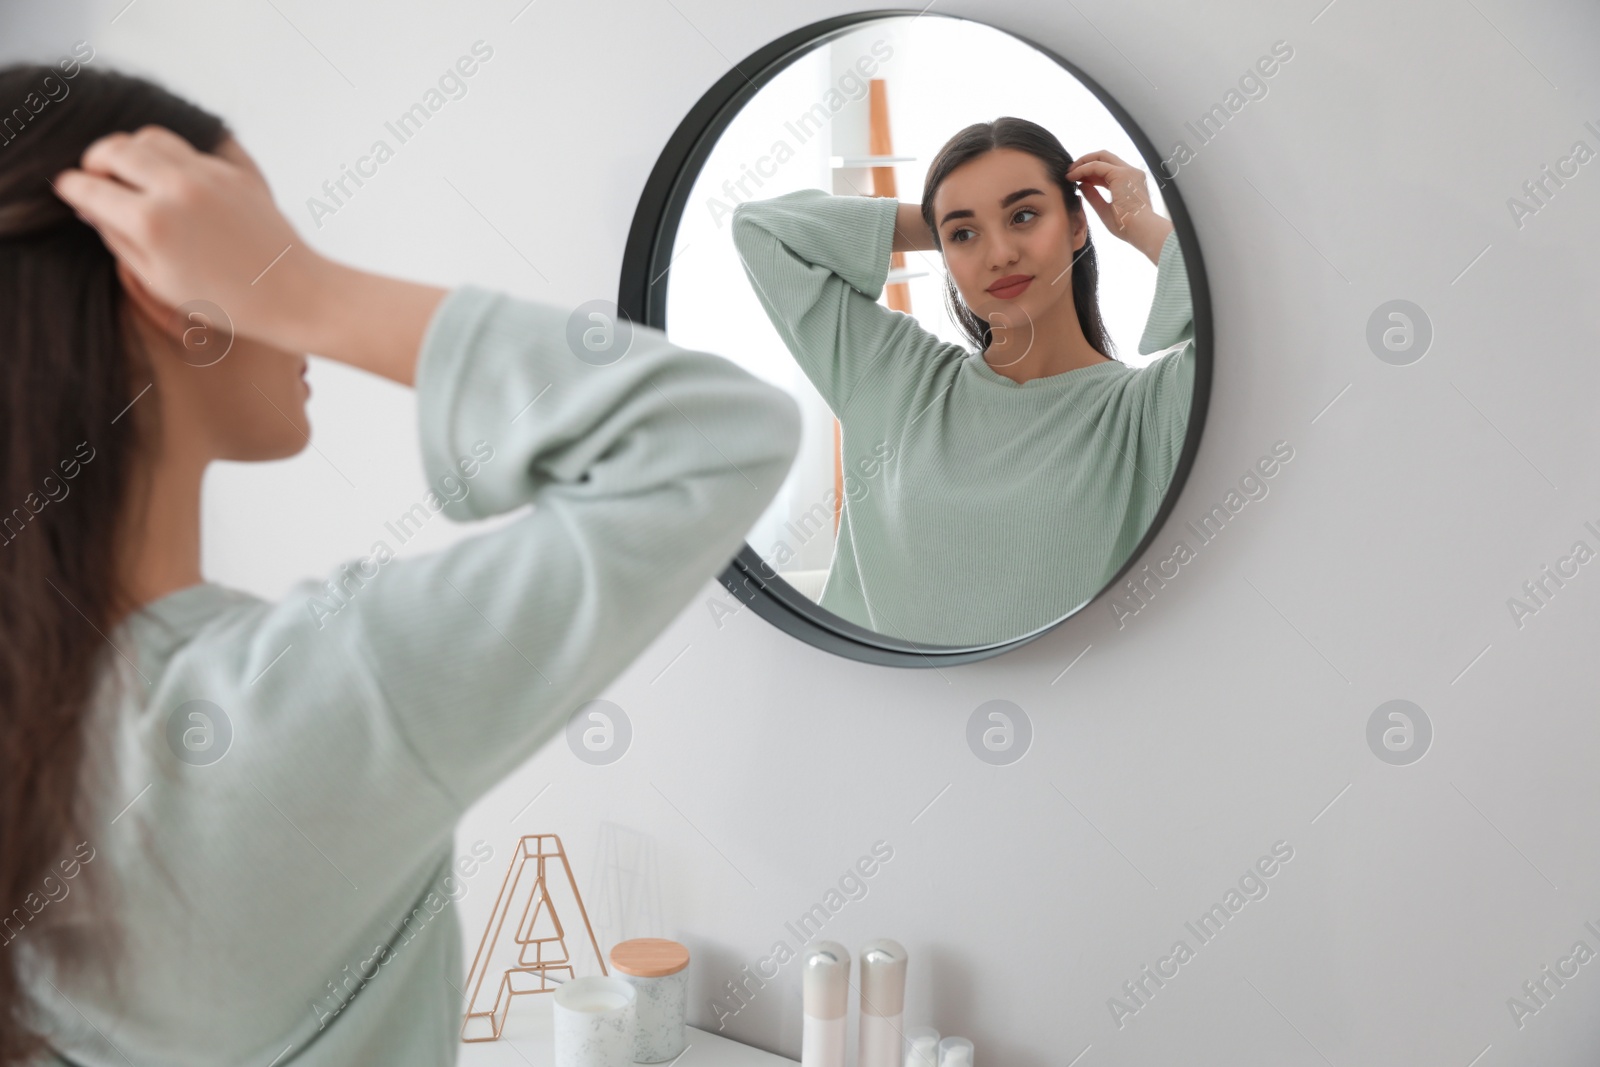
[1010,198]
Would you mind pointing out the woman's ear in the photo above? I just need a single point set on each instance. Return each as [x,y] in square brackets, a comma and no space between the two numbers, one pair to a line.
[151,312]
[152,335]
[1080,228]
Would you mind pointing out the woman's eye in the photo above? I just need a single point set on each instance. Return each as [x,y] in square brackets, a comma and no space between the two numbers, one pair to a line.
[955,235]
[1024,211]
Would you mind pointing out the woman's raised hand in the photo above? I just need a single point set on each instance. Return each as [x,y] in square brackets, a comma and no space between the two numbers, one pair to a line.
[1128,214]
[194,225]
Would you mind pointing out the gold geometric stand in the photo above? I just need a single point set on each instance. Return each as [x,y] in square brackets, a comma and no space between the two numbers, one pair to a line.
[538,934]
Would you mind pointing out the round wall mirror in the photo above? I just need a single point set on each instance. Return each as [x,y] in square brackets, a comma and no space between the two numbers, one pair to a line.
[984,295]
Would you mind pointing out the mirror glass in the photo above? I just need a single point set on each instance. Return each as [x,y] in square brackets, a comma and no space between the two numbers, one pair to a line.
[994,405]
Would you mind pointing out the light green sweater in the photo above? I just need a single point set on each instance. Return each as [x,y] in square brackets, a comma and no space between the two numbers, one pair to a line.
[255,893]
[1004,506]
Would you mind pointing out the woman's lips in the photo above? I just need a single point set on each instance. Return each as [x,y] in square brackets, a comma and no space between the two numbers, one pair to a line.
[1012,289]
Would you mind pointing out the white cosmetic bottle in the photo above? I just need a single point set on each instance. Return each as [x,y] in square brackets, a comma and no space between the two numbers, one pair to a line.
[955,1052]
[825,1001]
[883,1000]
[922,1047]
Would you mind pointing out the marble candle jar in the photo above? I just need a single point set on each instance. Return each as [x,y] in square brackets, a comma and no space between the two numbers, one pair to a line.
[658,971]
[595,1022]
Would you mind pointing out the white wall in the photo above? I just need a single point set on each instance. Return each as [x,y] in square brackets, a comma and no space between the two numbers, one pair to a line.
[1169,753]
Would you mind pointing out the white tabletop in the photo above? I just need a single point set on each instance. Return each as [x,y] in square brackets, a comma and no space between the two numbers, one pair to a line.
[528,1040]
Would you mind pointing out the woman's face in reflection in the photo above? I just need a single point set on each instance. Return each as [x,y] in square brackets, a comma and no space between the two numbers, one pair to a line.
[1001,216]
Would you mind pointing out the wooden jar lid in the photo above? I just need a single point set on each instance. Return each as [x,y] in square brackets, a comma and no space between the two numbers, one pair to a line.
[649,957]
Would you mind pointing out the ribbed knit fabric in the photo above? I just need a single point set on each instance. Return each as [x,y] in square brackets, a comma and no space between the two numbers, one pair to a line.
[1003,505]
[289,903]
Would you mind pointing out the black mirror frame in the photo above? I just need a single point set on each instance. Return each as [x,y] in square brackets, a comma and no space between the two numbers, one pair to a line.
[646,262]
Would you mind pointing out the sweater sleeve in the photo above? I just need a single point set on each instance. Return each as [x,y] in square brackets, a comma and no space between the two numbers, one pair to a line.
[1170,384]
[644,476]
[1171,318]
[818,263]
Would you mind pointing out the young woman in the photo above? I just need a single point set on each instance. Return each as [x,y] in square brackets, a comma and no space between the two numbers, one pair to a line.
[165,906]
[1024,471]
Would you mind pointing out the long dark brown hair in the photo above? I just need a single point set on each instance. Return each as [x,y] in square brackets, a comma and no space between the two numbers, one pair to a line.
[1029,137]
[68,372]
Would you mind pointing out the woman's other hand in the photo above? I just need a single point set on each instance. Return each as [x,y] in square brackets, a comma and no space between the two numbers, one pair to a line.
[196,225]
[1128,214]
[193,225]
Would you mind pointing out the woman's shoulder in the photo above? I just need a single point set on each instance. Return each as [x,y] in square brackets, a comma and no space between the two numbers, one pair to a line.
[163,624]
[1176,360]
[1164,387]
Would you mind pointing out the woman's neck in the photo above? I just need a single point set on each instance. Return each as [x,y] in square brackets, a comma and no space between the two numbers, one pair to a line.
[1047,348]
[161,531]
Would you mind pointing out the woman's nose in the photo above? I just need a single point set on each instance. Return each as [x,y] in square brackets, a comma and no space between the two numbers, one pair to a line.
[1002,254]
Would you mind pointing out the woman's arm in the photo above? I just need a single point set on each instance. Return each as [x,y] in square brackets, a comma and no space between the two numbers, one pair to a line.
[639,480]
[818,263]
[911,234]
[644,476]
[1169,379]
[1166,384]
[1171,317]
